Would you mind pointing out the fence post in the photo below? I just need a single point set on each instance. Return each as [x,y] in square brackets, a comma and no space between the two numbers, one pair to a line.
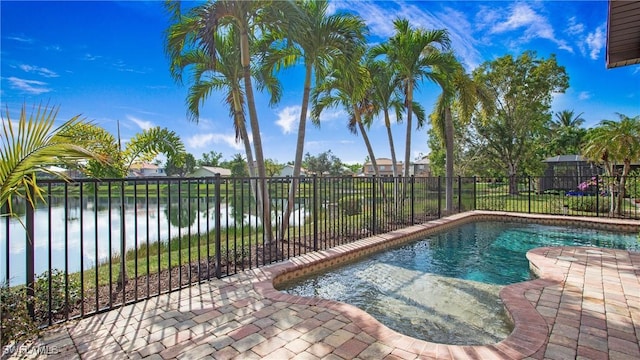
[218,231]
[597,196]
[439,197]
[459,194]
[475,193]
[413,201]
[373,205]
[315,212]
[30,253]
[529,193]
[123,244]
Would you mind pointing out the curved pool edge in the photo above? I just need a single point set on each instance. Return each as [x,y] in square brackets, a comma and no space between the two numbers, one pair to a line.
[531,330]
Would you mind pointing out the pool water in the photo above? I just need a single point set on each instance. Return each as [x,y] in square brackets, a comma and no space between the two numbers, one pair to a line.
[445,287]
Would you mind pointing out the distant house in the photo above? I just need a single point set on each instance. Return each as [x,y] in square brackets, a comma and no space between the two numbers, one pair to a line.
[145,169]
[287,170]
[421,167]
[208,171]
[385,167]
[566,172]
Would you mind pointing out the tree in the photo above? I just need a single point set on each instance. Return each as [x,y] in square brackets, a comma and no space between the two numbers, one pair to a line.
[566,134]
[520,90]
[212,158]
[32,146]
[142,147]
[273,168]
[612,143]
[324,163]
[180,168]
[348,85]
[413,53]
[238,166]
[457,87]
[318,40]
[197,30]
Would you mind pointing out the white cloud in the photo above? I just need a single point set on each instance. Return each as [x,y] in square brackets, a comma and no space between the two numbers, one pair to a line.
[29,86]
[533,26]
[200,141]
[90,57]
[143,124]
[288,117]
[584,95]
[596,41]
[574,27]
[38,70]
[20,38]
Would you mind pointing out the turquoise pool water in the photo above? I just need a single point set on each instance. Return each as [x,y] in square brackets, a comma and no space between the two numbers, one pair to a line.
[445,287]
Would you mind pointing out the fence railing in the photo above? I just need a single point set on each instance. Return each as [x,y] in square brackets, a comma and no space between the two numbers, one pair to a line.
[92,245]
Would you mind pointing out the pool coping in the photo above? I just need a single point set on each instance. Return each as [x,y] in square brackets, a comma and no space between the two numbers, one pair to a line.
[530,331]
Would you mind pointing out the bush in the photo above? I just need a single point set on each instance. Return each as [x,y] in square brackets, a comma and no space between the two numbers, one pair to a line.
[351,205]
[16,322]
[588,203]
[632,186]
[58,301]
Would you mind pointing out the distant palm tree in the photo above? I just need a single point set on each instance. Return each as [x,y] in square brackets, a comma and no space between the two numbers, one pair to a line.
[318,40]
[566,119]
[413,53]
[33,145]
[611,143]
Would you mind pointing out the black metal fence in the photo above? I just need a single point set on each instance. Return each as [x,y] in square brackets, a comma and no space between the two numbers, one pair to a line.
[92,245]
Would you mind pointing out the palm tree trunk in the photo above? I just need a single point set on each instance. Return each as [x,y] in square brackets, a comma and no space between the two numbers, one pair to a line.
[407,151]
[394,161]
[448,140]
[263,193]
[297,164]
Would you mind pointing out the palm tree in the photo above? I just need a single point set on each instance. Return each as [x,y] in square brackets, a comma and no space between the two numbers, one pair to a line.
[197,29]
[413,53]
[318,40]
[348,85]
[32,146]
[457,86]
[612,143]
[566,119]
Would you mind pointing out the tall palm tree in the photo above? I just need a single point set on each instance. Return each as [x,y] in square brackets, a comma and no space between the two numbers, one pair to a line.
[32,146]
[612,143]
[197,29]
[413,53]
[318,40]
[457,86]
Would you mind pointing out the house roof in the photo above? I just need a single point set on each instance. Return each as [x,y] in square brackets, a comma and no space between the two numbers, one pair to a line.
[623,33]
[216,170]
[143,165]
[565,158]
[423,161]
[384,161]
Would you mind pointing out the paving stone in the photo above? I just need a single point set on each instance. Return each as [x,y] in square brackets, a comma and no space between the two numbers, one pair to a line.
[248,342]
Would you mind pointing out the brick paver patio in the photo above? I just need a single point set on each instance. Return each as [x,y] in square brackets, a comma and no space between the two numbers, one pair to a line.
[585,305]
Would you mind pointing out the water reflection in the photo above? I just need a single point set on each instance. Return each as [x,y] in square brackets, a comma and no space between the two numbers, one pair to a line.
[75,229]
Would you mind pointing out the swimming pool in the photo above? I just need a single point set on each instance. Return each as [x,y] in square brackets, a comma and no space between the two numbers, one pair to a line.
[445,287]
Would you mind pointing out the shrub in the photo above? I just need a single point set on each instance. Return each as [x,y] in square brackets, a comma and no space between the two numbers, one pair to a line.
[16,322]
[351,205]
[632,186]
[588,203]
[58,301]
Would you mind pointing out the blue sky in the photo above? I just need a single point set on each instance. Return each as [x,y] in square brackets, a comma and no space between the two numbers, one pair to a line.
[106,61]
